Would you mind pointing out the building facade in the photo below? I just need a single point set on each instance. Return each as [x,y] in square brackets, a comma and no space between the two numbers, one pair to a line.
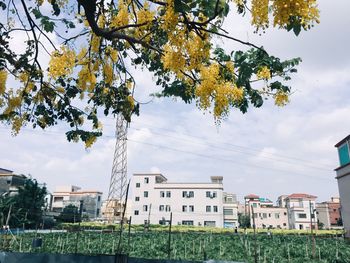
[153,198]
[66,195]
[10,182]
[328,213]
[343,178]
[301,211]
[264,214]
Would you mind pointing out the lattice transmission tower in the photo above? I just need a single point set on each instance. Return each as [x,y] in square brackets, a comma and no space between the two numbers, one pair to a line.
[118,182]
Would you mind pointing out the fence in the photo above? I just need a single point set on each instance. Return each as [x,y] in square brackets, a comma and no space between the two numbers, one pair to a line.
[13,257]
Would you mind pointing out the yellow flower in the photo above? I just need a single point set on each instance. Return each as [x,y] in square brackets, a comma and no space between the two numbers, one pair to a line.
[86,79]
[3,79]
[281,98]
[61,63]
[260,12]
[306,11]
[264,73]
[122,18]
[90,141]
[230,67]
[112,53]
[173,60]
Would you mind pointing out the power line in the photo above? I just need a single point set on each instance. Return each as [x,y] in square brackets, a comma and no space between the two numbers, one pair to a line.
[195,154]
[222,159]
[251,149]
[233,150]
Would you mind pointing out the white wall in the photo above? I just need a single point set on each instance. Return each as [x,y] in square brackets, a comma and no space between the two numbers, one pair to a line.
[176,201]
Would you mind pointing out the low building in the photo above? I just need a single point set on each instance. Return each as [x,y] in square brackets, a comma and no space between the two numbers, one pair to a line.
[328,213]
[343,178]
[66,195]
[10,182]
[264,214]
[199,204]
[301,211]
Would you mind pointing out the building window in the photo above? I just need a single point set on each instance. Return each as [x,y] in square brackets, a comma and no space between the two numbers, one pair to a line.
[145,194]
[136,212]
[210,223]
[162,194]
[228,212]
[167,208]
[277,215]
[137,198]
[99,198]
[161,208]
[207,193]
[344,155]
[191,194]
[214,194]
[187,223]
[146,180]
[184,208]
[284,224]
[168,194]
[302,215]
[208,208]
[215,208]
[255,204]
[137,185]
[58,199]
[255,215]
[145,208]
[269,214]
[191,208]
[184,193]
[264,215]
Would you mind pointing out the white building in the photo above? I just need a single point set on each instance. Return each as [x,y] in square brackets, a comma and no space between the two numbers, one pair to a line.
[343,178]
[265,214]
[153,198]
[301,208]
[66,195]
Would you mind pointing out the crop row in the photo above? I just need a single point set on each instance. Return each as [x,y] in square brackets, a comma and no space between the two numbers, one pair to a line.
[189,246]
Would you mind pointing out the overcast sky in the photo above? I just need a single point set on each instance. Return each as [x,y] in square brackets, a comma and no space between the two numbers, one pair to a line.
[268,151]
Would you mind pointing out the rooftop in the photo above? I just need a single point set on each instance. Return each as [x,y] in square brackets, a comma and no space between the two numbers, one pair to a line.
[302,195]
[251,196]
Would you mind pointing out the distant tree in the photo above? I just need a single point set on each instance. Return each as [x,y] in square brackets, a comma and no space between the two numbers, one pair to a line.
[320,225]
[29,203]
[26,205]
[5,203]
[244,221]
[340,222]
[70,214]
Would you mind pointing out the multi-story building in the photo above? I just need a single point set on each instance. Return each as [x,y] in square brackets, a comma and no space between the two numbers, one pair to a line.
[67,195]
[301,211]
[328,213]
[230,210]
[200,204]
[265,214]
[343,178]
[10,182]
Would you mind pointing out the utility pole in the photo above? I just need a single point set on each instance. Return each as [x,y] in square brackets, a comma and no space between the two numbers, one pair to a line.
[312,231]
[255,241]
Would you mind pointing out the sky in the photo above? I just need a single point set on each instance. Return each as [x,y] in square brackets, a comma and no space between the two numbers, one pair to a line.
[268,151]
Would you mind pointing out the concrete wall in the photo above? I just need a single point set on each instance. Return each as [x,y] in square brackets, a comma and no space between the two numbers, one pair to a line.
[344,192]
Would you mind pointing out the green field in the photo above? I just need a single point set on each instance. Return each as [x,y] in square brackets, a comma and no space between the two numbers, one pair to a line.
[190,246]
